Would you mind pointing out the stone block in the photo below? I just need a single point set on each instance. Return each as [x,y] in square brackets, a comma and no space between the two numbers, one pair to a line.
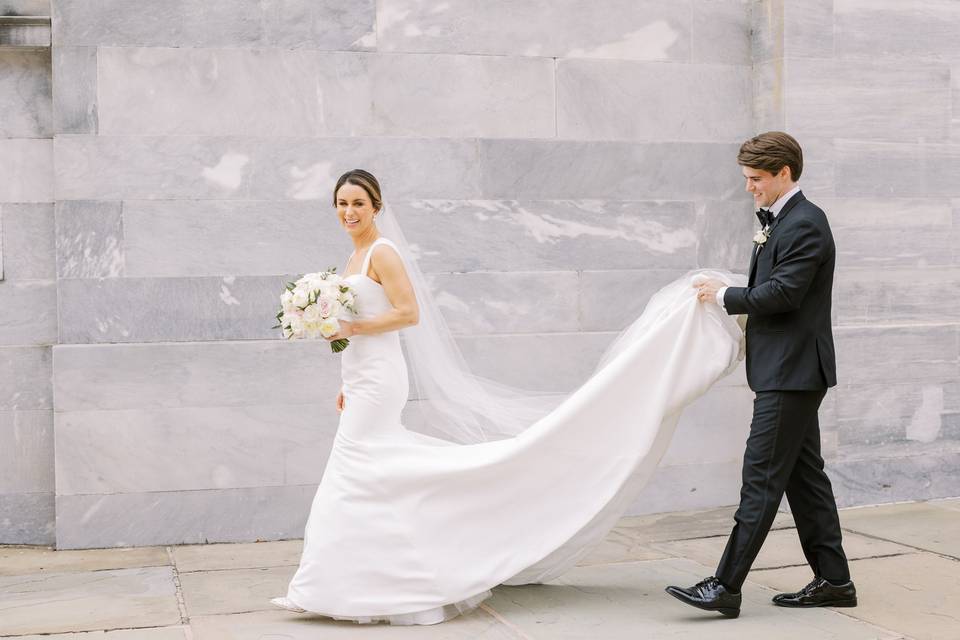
[922,353]
[713,429]
[725,230]
[688,487]
[27,518]
[617,100]
[25,94]
[182,517]
[26,165]
[888,28]
[888,100]
[548,362]
[89,239]
[133,310]
[899,295]
[324,24]
[721,33]
[612,300]
[284,92]
[769,95]
[551,235]
[611,29]
[178,238]
[142,451]
[28,312]
[873,414]
[169,375]
[26,452]
[28,244]
[542,169]
[808,30]
[895,472]
[26,372]
[871,169]
[75,88]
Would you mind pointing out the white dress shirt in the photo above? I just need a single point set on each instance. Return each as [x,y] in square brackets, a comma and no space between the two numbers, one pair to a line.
[774,209]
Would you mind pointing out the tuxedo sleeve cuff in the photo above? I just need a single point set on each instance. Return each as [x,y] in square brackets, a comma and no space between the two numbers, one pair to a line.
[720,293]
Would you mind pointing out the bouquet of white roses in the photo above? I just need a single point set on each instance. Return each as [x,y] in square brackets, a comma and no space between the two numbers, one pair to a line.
[312,307]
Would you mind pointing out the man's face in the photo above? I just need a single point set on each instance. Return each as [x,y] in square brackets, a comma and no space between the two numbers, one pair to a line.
[766,187]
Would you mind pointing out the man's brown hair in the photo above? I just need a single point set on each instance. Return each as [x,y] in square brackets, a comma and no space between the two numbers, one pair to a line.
[771,152]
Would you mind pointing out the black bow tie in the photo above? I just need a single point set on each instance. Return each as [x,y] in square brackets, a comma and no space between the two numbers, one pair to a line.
[765,216]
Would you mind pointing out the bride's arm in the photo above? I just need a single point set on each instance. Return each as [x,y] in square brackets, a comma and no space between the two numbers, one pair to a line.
[388,266]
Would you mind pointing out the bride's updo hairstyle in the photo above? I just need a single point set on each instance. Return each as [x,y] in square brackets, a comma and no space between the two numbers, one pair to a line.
[366,181]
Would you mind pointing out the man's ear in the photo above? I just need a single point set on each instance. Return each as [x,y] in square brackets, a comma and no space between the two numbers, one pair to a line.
[785,173]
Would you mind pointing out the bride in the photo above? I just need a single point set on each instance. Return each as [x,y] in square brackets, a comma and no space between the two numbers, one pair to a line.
[496,485]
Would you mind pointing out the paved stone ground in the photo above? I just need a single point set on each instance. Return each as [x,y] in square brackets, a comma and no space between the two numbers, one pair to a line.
[905,560]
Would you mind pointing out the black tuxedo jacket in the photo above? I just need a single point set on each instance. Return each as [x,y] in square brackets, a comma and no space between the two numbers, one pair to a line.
[787,302]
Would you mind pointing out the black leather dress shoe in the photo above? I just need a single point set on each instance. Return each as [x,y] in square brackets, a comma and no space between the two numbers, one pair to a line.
[709,595]
[819,593]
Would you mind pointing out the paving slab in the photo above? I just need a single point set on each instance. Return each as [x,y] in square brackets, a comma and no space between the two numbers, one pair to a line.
[621,546]
[94,600]
[208,557]
[917,595]
[686,525]
[233,590]
[627,601]
[16,561]
[780,549]
[155,633]
[277,625]
[933,526]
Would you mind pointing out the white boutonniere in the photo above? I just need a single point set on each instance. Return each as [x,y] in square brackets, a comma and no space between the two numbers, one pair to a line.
[762,236]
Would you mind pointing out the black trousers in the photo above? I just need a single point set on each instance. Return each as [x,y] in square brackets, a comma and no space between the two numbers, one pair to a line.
[783,455]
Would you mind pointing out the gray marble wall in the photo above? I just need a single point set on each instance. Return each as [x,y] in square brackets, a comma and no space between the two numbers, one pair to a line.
[585,155]
[570,159]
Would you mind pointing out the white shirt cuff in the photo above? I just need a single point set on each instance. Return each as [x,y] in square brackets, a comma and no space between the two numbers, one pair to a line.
[720,293]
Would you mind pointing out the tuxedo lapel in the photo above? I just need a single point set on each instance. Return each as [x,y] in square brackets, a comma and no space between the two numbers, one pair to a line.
[797,198]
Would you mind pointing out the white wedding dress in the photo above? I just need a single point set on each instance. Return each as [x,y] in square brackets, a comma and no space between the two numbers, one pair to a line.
[409,529]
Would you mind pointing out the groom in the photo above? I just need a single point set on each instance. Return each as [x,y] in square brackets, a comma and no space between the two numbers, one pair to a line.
[790,365]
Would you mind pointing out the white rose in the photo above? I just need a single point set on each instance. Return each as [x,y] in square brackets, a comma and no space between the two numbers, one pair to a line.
[313,329]
[296,325]
[760,237]
[328,290]
[312,313]
[329,327]
[300,298]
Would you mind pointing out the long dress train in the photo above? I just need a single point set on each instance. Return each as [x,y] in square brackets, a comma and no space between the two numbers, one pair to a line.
[409,529]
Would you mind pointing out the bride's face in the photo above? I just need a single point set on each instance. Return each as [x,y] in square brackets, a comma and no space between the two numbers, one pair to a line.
[354,209]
